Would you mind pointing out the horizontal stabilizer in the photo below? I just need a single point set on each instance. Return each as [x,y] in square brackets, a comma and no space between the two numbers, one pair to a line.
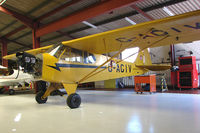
[155,67]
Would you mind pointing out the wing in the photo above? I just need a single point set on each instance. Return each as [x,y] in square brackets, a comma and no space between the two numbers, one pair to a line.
[167,31]
[32,51]
[3,70]
[8,82]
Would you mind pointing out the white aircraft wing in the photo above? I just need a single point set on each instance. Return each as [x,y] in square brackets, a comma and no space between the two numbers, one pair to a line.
[16,78]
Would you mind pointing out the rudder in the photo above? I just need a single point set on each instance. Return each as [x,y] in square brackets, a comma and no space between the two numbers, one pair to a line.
[143,58]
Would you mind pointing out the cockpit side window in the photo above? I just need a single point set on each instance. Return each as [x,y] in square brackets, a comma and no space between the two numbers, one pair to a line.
[76,56]
[59,52]
[72,55]
[89,58]
[66,55]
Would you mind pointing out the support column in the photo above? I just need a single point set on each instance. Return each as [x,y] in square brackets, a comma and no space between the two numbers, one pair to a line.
[36,44]
[173,63]
[36,41]
[4,52]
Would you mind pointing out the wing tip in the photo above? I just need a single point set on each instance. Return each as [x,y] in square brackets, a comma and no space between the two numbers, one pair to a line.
[10,57]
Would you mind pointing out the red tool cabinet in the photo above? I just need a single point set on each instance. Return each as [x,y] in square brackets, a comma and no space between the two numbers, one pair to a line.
[142,81]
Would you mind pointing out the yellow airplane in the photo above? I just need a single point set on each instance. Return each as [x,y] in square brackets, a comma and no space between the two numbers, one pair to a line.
[85,59]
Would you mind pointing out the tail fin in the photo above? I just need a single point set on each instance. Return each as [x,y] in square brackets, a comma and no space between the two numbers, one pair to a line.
[143,58]
[143,61]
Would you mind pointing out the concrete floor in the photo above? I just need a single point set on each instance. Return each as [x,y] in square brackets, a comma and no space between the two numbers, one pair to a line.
[102,112]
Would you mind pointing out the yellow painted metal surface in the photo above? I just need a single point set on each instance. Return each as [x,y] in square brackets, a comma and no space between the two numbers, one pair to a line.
[110,83]
[70,88]
[167,31]
[155,67]
[55,70]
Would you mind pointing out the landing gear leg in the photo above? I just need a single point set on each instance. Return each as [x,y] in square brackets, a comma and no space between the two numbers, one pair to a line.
[42,96]
[73,99]
[1,90]
[39,98]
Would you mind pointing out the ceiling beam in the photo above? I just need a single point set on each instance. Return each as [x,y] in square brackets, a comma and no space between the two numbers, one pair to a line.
[19,43]
[15,31]
[141,12]
[82,15]
[65,34]
[168,3]
[25,20]
[60,8]
[43,17]
[41,5]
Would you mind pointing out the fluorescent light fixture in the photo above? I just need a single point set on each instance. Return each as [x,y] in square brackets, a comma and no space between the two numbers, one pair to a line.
[89,24]
[168,11]
[2,1]
[130,21]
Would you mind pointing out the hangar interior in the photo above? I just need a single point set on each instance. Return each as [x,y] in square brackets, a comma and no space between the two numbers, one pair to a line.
[107,105]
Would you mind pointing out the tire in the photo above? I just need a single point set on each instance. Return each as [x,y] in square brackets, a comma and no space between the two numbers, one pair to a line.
[39,99]
[11,92]
[41,86]
[74,101]
[2,90]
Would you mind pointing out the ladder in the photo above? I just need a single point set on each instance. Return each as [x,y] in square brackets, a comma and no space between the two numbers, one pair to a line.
[163,83]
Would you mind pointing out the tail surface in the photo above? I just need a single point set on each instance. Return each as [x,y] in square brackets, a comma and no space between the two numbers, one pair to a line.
[143,58]
[143,61]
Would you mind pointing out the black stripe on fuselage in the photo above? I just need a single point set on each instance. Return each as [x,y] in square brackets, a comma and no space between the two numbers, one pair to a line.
[58,66]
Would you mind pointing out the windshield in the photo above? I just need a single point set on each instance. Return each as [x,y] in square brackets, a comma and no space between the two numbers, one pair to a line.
[56,50]
[52,48]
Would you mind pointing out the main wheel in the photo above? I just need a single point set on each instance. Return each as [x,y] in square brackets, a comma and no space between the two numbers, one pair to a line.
[74,101]
[39,98]
[11,92]
[41,86]
[2,90]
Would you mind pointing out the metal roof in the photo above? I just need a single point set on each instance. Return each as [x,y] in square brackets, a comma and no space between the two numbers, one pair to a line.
[107,21]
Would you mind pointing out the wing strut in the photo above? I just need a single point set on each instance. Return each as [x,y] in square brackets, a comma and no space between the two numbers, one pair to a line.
[92,73]
[144,48]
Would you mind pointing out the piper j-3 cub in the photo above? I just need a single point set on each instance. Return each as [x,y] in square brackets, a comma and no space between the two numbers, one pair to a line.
[84,60]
